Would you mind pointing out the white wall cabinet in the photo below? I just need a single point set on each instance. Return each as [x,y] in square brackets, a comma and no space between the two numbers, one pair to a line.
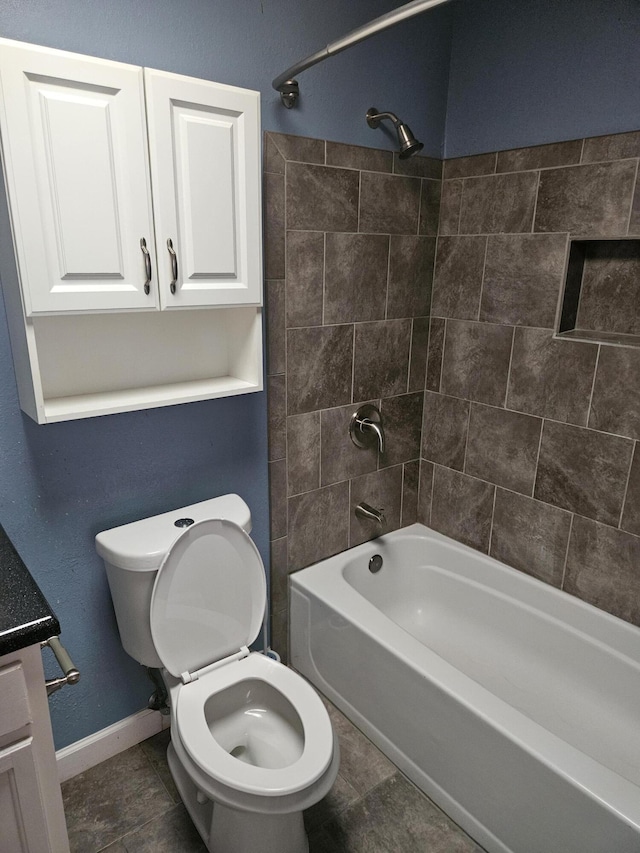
[204,141]
[31,810]
[132,194]
[75,154]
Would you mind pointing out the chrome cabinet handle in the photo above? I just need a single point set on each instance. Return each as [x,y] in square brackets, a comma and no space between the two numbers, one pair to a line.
[174,265]
[71,674]
[147,265]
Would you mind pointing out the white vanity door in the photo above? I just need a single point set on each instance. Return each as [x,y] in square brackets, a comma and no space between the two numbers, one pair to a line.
[24,829]
[204,143]
[76,166]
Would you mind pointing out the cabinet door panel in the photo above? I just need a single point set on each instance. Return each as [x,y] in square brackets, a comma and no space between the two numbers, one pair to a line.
[24,829]
[204,147]
[74,147]
[204,150]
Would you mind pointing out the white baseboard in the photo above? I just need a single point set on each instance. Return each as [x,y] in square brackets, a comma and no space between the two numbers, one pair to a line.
[91,750]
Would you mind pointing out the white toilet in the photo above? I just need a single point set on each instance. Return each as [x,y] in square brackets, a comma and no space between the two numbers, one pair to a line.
[251,742]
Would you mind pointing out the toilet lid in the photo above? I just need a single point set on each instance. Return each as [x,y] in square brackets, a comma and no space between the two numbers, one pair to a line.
[209,596]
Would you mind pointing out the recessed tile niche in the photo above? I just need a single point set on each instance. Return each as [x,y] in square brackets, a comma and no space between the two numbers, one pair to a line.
[601,300]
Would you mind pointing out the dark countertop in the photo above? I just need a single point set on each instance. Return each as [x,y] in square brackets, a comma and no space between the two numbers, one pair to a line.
[25,616]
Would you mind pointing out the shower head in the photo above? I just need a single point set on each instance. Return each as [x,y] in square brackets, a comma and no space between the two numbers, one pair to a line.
[409,145]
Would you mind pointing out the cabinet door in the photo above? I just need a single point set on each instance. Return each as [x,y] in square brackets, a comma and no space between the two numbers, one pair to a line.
[24,829]
[76,167]
[204,141]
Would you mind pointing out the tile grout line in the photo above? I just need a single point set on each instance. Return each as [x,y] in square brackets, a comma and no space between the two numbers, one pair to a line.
[319,450]
[349,493]
[286,381]
[564,288]
[444,343]
[432,491]
[566,553]
[513,325]
[535,205]
[633,195]
[506,390]
[466,442]
[324,274]
[535,472]
[493,514]
[353,362]
[582,147]
[557,317]
[593,386]
[526,171]
[460,208]
[155,770]
[386,296]
[626,488]
[484,267]
[408,391]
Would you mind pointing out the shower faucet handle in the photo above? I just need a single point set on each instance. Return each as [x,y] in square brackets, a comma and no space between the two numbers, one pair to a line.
[366,427]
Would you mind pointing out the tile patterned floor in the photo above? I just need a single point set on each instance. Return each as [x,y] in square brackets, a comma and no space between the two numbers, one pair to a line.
[129,804]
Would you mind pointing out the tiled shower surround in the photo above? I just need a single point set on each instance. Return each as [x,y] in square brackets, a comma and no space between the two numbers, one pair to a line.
[527,443]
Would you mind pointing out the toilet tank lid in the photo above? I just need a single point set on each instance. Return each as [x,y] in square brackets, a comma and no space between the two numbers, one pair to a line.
[141,546]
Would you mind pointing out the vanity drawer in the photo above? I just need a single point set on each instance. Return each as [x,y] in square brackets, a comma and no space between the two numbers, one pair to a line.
[15,712]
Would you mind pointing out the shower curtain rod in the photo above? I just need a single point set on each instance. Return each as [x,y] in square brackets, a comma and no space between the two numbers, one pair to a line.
[288,86]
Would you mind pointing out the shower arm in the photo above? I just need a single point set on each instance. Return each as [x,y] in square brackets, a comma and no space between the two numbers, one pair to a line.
[286,83]
[374,118]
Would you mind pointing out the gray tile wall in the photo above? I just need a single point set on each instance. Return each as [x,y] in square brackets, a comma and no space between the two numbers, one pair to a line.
[529,444]
[350,240]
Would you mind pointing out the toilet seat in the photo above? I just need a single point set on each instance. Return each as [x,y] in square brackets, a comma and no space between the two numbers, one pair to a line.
[207,606]
[217,763]
[209,597]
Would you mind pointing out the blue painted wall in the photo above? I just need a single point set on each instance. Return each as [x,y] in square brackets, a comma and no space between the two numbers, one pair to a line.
[62,483]
[535,71]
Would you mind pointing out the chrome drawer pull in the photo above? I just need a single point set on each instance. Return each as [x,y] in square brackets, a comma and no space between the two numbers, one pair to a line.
[147,265]
[174,265]
[71,674]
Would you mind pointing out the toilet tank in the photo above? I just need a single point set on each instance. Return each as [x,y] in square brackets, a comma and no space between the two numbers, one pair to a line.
[133,554]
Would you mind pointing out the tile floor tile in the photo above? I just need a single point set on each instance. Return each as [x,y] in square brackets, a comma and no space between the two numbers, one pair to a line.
[321,842]
[361,763]
[171,832]
[104,803]
[395,816]
[339,797]
[155,748]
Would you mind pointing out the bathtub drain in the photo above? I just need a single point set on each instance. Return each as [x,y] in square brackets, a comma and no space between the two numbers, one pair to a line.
[375,563]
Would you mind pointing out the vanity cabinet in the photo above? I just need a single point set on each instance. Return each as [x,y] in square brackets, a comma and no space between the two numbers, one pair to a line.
[31,810]
[134,207]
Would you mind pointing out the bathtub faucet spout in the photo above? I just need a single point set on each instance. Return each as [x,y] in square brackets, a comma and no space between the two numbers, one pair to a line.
[370,513]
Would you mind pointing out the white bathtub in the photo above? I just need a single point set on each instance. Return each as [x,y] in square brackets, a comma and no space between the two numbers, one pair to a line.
[514,706]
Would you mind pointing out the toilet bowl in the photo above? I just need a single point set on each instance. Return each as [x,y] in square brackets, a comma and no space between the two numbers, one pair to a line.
[252,743]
